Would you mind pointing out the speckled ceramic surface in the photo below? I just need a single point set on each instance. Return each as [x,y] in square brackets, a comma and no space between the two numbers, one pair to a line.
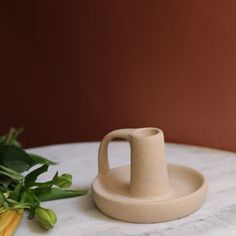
[147,190]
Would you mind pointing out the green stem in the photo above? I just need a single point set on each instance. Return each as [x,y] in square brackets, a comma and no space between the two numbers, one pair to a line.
[9,136]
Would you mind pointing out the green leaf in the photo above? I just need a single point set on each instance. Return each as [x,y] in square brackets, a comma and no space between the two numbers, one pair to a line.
[11,137]
[40,160]
[12,201]
[3,188]
[15,158]
[15,194]
[12,185]
[10,173]
[3,201]
[47,194]
[32,176]
[31,198]
[2,138]
[47,184]
[11,176]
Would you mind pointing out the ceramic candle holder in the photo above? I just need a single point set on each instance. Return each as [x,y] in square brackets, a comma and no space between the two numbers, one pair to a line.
[148,190]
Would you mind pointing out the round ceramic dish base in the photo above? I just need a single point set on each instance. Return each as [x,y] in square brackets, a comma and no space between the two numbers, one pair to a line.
[111,195]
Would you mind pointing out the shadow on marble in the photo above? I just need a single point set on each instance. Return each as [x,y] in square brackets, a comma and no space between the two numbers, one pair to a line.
[34,227]
[87,206]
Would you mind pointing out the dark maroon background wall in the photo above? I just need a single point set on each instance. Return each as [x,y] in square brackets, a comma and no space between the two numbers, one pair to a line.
[74,70]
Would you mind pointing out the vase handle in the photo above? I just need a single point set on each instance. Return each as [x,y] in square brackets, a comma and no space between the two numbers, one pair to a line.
[103,163]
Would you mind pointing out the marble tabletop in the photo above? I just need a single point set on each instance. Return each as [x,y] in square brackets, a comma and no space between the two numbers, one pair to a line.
[79,216]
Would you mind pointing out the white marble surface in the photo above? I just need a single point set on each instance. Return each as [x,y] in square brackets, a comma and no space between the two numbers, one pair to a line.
[79,216]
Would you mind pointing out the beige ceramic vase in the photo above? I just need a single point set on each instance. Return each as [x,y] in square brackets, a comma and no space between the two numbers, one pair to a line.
[148,190]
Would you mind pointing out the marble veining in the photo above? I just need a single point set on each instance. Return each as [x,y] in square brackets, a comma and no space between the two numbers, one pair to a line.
[79,216]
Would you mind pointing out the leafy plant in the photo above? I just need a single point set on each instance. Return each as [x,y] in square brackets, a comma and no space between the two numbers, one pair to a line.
[23,191]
